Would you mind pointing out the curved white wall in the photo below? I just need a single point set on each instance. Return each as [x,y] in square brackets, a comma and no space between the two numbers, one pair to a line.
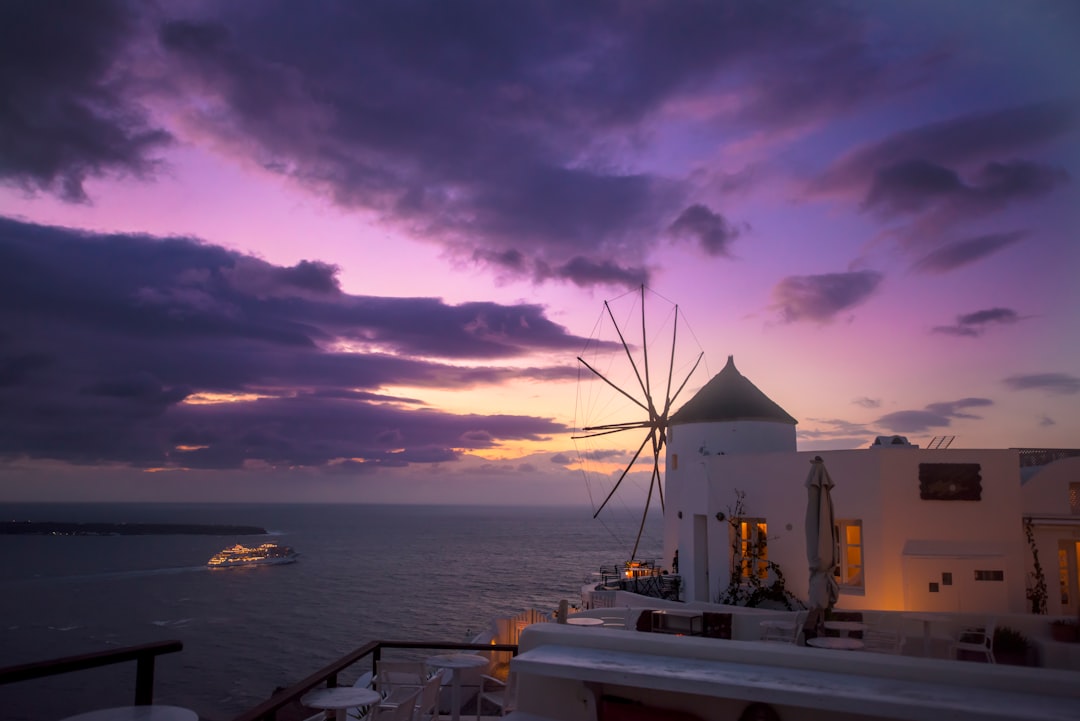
[712,439]
[686,487]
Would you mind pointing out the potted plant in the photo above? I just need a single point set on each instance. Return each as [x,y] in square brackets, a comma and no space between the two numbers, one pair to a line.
[1010,646]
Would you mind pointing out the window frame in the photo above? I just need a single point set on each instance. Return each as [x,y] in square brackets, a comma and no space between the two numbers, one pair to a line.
[843,565]
[758,536]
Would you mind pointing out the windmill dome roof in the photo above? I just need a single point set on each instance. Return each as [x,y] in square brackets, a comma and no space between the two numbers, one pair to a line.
[729,396]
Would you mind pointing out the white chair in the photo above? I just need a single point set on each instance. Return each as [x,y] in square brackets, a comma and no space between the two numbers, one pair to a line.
[783,631]
[975,639]
[360,712]
[882,640]
[427,703]
[883,636]
[405,710]
[397,680]
[500,693]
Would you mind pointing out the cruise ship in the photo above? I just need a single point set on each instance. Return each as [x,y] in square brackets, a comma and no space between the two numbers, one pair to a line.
[264,554]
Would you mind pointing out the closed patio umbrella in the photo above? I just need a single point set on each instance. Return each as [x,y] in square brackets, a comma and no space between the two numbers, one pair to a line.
[820,543]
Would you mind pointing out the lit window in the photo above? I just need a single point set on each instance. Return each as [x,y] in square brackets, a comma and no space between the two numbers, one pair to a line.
[753,547]
[849,551]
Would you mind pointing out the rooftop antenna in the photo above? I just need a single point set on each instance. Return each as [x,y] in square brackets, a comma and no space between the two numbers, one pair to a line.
[941,442]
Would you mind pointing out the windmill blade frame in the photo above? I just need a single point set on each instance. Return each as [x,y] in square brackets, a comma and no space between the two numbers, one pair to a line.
[637,393]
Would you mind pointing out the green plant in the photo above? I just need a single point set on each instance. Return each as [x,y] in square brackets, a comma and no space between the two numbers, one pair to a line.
[1009,640]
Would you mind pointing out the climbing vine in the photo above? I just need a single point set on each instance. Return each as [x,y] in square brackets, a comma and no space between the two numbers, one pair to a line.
[754,588]
[1036,587]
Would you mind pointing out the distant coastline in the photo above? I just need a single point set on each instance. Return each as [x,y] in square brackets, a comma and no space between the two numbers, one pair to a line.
[51,528]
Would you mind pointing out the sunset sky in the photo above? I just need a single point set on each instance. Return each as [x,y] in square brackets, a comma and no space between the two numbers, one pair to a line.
[350,251]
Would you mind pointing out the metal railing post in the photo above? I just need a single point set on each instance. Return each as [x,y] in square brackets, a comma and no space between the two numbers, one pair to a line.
[144,681]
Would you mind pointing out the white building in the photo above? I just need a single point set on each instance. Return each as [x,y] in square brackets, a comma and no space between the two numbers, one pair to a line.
[918,529]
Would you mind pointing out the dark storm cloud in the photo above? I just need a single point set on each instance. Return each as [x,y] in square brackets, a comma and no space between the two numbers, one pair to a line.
[1051,383]
[584,272]
[920,186]
[943,174]
[821,297]
[500,130]
[935,415]
[972,325]
[65,110]
[104,337]
[978,138]
[710,230]
[963,252]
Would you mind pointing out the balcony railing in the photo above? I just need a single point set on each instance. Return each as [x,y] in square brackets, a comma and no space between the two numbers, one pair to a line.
[267,710]
[143,656]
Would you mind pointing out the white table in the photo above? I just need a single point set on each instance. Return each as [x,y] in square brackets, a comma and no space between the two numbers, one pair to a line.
[585,621]
[843,643]
[137,713]
[456,662]
[340,698]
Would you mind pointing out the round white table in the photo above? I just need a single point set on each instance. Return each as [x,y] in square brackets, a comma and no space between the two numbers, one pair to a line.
[456,662]
[340,698]
[585,621]
[838,642]
[137,713]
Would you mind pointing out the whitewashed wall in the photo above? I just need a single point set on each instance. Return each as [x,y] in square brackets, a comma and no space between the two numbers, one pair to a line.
[880,486]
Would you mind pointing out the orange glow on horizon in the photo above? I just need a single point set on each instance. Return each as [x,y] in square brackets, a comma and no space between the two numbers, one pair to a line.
[206,399]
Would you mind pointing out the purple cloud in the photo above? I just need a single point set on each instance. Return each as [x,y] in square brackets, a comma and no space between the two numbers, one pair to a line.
[867,402]
[66,115]
[964,252]
[934,177]
[919,158]
[1051,383]
[935,415]
[973,325]
[498,132]
[710,230]
[122,349]
[821,297]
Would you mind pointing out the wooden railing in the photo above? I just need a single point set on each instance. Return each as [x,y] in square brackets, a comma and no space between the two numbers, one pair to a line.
[267,710]
[143,656]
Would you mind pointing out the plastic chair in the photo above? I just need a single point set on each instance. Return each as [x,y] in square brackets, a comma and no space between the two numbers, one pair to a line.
[784,631]
[427,703]
[405,710]
[397,680]
[883,637]
[501,693]
[882,641]
[977,640]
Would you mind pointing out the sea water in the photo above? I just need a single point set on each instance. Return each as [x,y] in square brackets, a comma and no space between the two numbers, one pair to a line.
[365,572]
